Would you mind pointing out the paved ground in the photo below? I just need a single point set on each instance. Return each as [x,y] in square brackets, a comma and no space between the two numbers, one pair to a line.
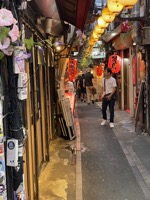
[107,164]
[58,177]
[115,162]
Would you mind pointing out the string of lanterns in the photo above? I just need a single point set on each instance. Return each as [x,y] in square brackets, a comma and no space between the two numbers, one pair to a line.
[108,14]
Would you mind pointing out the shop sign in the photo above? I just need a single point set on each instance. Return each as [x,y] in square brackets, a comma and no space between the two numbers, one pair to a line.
[114,62]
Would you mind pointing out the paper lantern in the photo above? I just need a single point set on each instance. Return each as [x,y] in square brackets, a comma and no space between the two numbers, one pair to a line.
[91,42]
[128,3]
[134,70]
[107,15]
[102,23]
[99,30]
[99,70]
[114,6]
[72,69]
[95,35]
[114,62]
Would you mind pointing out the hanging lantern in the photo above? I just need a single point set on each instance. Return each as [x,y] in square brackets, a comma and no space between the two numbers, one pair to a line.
[107,15]
[90,42]
[128,3]
[99,70]
[95,35]
[114,62]
[102,23]
[99,30]
[72,69]
[114,6]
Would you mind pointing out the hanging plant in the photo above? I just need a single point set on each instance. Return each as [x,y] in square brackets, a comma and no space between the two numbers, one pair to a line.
[9,32]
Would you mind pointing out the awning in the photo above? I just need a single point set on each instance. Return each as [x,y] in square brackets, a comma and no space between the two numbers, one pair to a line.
[123,41]
[74,12]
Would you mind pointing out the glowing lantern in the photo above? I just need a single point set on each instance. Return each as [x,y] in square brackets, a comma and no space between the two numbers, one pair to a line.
[102,23]
[72,69]
[99,30]
[128,3]
[114,62]
[99,70]
[107,15]
[91,42]
[95,35]
[114,6]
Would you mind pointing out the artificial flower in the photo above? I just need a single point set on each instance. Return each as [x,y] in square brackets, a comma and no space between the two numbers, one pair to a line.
[14,33]
[6,17]
[8,51]
[4,43]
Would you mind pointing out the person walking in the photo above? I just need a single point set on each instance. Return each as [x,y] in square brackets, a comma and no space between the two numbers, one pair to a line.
[108,96]
[88,83]
[81,88]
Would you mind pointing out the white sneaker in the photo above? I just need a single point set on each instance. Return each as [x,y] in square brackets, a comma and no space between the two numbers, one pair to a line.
[111,125]
[103,122]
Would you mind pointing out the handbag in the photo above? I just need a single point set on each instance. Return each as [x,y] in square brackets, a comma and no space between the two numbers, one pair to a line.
[93,90]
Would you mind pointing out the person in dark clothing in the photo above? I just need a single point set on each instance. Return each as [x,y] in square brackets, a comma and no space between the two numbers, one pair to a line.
[81,87]
[108,98]
[88,83]
[78,91]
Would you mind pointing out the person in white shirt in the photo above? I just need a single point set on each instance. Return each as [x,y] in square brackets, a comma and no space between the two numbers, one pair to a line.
[108,96]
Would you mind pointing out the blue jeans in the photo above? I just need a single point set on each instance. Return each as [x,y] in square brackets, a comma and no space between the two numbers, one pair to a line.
[111,104]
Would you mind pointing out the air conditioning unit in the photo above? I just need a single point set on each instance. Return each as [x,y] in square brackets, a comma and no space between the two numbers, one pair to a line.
[146,35]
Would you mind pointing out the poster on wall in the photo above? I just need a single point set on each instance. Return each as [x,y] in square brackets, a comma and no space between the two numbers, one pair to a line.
[3,193]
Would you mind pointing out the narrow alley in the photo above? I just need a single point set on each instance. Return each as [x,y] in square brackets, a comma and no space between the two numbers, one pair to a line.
[111,164]
[115,162]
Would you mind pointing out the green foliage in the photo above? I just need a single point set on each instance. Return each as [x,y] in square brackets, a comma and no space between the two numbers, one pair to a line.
[1,55]
[4,32]
[29,43]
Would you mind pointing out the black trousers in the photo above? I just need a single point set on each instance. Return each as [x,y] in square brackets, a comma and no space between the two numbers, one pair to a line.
[111,104]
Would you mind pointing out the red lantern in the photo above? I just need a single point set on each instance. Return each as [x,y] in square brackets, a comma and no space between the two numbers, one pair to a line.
[72,69]
[99,70]
[114,62]
[134,70]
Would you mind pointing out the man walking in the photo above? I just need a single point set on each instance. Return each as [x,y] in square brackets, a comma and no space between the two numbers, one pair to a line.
[108,98]
[88,82]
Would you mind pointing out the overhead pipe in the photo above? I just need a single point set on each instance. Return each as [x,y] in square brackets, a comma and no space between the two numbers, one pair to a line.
[48,9]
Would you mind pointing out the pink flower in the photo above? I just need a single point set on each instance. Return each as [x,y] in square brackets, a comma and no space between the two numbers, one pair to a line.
[6,17]
[4,43]
[8,51]
[15,21]
[14,33]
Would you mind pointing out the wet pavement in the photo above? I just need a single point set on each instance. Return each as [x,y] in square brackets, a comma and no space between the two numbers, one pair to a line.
[107,163]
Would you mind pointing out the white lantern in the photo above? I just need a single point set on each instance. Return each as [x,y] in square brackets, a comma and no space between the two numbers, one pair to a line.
[102,23]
